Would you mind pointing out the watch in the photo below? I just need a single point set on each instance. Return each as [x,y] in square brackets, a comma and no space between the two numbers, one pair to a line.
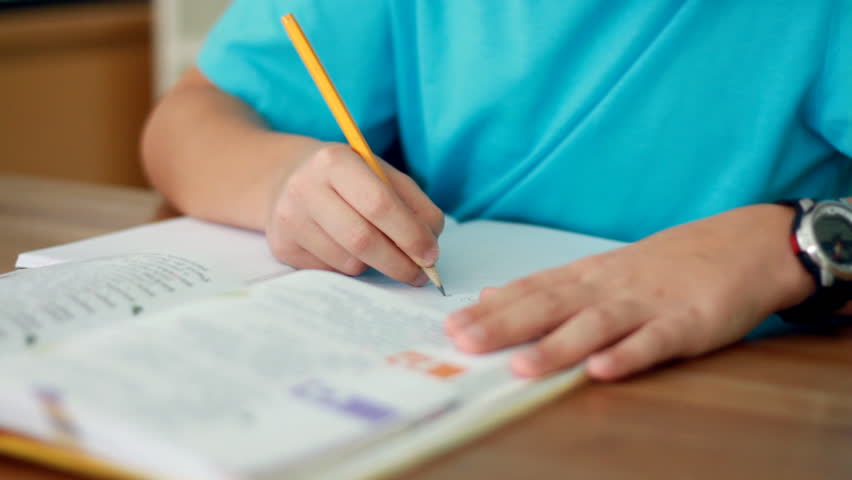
[821,238]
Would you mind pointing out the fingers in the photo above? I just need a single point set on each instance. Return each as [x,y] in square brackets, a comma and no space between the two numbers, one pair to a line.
[382,207]
[363,240]
[325,254]
[655,342]
[519,321]
[495,301]
[297,257]
[324,248]
[416,200]
[333,212]
[590,330]
[568,322]
[487,292]
[618,337]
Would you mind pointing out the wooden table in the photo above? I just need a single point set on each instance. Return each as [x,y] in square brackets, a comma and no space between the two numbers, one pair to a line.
[778,408]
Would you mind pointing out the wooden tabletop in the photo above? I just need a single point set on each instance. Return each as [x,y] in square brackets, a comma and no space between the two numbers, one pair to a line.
[774,408]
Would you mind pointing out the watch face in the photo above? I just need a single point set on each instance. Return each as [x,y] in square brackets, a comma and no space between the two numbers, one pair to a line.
[834,236]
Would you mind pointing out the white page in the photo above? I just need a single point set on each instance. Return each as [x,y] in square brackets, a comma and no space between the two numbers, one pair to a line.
[24,410]
[41,306]
[486,253]
[443,434]
[473,254]
[268,365]
[244,252]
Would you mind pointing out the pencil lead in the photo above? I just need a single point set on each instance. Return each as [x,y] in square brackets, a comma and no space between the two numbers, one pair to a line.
[441,289]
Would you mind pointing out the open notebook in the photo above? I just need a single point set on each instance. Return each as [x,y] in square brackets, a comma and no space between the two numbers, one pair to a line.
[182,349]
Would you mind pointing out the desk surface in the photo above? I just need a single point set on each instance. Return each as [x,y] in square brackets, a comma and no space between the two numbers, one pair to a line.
[778,408]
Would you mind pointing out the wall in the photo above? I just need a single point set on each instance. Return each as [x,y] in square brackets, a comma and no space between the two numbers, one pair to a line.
[75,88]
[181,26]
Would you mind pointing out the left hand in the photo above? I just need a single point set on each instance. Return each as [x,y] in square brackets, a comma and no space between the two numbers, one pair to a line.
[679,293]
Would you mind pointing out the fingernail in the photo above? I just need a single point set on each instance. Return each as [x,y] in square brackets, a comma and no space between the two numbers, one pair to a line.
[352,264]
[487,292]
[529,359]
[599,365]
[430,257]
[421,280]
[470,339]
[457,321]
[474,332]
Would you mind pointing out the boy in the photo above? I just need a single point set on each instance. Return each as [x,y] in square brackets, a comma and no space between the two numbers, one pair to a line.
[674,123]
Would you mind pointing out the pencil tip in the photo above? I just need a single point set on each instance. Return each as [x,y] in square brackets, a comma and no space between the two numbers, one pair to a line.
[441,289]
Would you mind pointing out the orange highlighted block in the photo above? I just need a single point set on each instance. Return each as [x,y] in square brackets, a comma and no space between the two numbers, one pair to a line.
[446,370]
[426,364]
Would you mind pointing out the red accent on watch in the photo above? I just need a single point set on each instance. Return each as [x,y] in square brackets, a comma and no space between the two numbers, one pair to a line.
[795,244]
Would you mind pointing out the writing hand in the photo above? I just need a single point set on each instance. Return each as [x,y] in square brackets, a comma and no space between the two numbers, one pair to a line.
[334,213]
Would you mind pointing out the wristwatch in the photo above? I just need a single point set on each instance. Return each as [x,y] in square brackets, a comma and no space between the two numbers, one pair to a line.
[822,240]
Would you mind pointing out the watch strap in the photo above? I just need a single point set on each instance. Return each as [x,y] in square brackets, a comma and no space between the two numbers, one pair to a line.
[824,301]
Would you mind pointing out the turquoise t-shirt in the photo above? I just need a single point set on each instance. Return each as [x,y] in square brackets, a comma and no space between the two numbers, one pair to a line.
[616,119]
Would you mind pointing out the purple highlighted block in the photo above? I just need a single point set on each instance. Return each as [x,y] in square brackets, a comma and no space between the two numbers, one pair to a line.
[352,405]
[367,409]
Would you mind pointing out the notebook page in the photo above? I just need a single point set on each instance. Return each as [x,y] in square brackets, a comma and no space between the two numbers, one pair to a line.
[244,252]
[486,253]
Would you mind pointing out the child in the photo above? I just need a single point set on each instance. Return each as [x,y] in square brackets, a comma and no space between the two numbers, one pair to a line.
[673,124]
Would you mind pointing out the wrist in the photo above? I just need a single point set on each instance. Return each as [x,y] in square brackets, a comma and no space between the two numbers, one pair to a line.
[820,239]
[790,281]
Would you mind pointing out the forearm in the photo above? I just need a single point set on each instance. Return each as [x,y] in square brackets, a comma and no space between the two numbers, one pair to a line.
[212,157]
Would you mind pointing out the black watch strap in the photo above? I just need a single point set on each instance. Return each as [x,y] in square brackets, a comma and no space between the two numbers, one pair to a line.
[824,302]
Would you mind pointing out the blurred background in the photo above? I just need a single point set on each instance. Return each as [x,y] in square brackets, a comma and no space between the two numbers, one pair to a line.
[78,77]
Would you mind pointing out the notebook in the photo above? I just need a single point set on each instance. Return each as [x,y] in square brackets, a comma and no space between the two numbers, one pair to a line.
[183,349]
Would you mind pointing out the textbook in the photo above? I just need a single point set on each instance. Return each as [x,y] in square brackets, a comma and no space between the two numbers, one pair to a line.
[183,350]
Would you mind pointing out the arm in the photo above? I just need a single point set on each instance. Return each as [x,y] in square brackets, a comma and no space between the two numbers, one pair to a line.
[679,293]
[318,202]
[212,157]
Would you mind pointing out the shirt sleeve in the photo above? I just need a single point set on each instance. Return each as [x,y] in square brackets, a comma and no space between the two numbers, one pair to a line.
[829,107]
[249,55]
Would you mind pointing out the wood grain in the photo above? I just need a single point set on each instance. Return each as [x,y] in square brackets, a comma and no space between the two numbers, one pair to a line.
[777,408]
[39,212]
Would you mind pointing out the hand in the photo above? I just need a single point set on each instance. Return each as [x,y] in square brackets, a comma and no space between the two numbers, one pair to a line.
[334,213]
[679,293]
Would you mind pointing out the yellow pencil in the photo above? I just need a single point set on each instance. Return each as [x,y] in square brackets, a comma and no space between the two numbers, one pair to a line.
[341,113]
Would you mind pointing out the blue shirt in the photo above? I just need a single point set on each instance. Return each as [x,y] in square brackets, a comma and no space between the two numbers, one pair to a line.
[615,119]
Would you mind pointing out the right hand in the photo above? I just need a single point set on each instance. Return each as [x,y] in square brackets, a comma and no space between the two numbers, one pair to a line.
[333,213]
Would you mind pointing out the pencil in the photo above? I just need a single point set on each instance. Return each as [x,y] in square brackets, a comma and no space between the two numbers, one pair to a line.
[341,113]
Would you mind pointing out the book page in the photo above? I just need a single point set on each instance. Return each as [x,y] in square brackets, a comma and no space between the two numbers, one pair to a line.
[473,419]
[41,306]
[243,252]
[474,254]
[291,367]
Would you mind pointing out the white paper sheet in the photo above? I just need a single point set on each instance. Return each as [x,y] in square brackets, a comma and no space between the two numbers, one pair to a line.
[486,253]
[287,375]
[41,306]
[244,252]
